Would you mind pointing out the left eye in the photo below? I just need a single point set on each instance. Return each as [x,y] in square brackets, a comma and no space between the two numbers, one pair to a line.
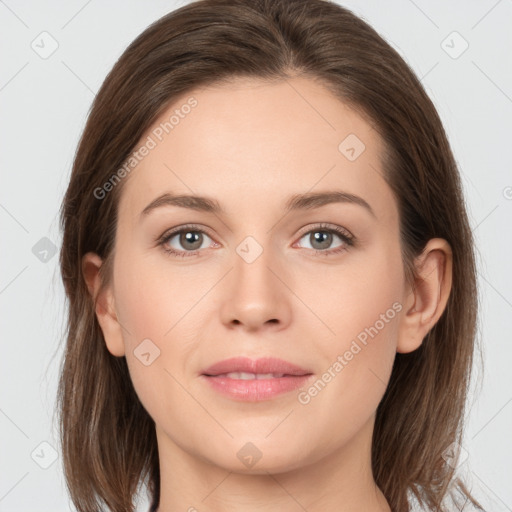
[322,239]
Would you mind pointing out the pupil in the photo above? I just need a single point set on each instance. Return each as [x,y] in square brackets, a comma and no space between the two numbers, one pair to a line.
[189,237]
[323,237]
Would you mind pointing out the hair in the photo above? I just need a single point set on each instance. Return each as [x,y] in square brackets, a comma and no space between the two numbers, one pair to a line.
[101,419]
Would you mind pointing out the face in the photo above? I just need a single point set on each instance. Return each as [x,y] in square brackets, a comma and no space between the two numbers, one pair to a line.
[294,256]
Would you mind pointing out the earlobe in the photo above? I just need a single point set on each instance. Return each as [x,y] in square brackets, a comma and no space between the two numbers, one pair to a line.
[104,305]
[426,300]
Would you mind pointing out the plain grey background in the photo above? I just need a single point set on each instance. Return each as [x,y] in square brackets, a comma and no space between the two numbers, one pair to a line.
[56,55]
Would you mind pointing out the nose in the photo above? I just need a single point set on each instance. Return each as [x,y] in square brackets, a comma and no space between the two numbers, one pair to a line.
[256,296]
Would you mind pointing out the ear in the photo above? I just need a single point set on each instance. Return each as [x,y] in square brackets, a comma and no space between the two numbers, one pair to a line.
[426,300]
[104,305]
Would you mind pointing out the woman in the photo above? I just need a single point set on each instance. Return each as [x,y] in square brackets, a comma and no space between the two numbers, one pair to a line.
[311,349]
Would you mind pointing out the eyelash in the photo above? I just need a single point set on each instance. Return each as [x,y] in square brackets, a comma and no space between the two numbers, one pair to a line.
[345,236]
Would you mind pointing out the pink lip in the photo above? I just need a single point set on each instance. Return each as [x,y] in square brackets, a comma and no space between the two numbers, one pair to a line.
[261,365]
[256,389]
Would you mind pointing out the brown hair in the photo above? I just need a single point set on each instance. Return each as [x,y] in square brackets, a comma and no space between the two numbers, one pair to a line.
[101,419]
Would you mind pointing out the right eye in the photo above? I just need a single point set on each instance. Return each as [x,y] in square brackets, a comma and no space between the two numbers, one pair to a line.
[184,241]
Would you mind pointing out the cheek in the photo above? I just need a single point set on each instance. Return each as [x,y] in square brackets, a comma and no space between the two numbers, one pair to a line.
[154,356]
[363,312]
[153,300]
[362,296]
[156,310]
[358,360]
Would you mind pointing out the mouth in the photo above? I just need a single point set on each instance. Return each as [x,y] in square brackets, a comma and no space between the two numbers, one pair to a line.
[250,376]
[245,379]
[263,366]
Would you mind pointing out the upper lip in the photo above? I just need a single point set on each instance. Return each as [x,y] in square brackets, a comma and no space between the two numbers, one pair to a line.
[261,365]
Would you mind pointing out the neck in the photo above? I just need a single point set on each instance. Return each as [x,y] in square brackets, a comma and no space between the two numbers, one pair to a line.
[340,481]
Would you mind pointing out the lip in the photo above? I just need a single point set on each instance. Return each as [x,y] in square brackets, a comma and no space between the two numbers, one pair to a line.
[255,390]
[261,365]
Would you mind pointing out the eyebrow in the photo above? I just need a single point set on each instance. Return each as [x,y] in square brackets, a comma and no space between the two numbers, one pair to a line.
[296,202]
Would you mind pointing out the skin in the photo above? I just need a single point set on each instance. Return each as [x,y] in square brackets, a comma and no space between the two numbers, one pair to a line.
[250,145]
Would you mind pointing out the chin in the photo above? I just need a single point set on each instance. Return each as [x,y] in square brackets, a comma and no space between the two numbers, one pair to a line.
[260,456]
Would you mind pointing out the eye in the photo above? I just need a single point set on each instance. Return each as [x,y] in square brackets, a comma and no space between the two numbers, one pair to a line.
[321,239]
[189,240]
[185,241]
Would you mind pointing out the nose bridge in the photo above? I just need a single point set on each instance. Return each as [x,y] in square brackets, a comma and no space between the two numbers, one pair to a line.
[252,260]
[256,296]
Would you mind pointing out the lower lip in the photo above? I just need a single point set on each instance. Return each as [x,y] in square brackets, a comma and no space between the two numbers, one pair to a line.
[256,390]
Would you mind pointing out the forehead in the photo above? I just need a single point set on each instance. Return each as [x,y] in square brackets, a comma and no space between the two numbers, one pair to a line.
[258,140]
